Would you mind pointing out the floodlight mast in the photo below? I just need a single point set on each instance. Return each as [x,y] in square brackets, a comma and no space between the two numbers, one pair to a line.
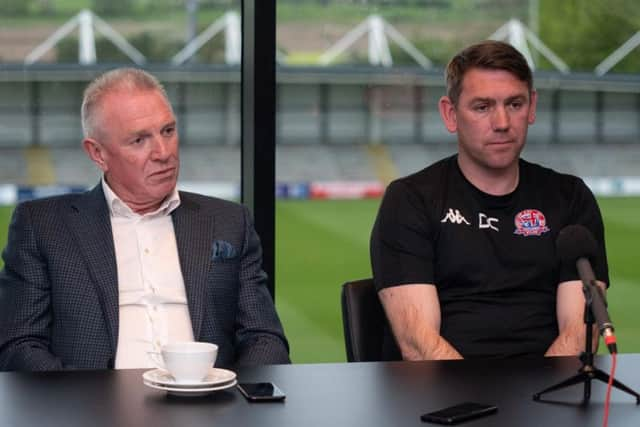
[377,30]
[618,55]
[86,21]
[230,24]
[192,19]
[519,36]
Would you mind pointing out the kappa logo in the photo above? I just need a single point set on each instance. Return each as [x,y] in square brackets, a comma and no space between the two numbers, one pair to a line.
[454,217]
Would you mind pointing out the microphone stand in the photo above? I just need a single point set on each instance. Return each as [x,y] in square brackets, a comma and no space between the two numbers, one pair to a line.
[588,371]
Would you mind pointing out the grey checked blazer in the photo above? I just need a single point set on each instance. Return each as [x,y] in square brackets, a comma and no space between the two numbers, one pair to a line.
[59,290]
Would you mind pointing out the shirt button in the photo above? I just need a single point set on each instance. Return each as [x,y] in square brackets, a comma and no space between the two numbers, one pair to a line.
[146,251]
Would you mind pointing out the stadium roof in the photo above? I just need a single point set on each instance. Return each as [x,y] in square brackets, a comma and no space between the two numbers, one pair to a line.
[519,36]
[618,55]
[379,54]
[86,21]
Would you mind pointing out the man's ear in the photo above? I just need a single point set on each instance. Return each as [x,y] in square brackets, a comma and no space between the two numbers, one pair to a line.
[532,107]
[448,114]
[95,152]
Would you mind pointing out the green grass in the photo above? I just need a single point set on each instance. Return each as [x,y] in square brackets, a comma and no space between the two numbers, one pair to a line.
[66,10]
[322,244]
[287,12]
[319,246]
[5,217]
[622,227]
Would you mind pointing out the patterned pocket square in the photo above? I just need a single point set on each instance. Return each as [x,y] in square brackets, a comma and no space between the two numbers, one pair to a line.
[223,250]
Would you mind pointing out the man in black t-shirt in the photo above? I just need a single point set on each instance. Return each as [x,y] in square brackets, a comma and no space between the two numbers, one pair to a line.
[463,251]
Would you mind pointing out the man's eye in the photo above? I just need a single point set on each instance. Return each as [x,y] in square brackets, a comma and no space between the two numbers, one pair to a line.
[481,108]
[516,105]
[169,131]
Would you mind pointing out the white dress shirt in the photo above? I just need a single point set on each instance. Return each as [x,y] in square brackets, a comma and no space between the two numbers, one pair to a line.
[152,298]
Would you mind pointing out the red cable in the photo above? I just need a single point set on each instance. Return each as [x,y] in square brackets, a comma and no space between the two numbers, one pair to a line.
[605,421]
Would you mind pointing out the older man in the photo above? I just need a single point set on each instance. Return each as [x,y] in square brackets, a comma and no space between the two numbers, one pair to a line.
[100,279]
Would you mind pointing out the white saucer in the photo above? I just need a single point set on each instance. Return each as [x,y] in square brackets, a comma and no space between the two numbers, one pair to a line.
[215,377]
[198,391]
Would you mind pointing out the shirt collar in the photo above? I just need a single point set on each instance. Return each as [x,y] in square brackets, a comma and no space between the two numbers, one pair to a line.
[119,209]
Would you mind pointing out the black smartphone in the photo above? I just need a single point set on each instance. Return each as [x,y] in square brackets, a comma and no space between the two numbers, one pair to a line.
[261,392]
[459,413]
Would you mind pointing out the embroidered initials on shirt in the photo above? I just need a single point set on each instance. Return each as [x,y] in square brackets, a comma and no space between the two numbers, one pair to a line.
[485,221]
[454,217]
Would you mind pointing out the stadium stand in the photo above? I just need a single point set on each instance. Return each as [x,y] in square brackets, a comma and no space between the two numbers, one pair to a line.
[303,163]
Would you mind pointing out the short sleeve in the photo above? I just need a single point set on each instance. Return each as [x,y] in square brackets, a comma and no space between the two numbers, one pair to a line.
[584,211]
[402,240]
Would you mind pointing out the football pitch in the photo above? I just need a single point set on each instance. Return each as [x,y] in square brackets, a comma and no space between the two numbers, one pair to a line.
[321,244]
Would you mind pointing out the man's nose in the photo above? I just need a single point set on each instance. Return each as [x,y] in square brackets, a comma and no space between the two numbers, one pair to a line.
[500,119]
[160,149]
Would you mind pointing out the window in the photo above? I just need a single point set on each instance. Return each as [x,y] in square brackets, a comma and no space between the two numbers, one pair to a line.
[358,85]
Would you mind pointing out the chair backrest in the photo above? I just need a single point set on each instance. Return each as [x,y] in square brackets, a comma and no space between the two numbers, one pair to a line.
[364,322]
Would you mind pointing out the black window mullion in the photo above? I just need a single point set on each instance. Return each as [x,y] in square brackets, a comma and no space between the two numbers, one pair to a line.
[258,139]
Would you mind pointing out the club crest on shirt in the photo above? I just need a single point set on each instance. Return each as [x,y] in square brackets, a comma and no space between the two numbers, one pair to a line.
[530,222]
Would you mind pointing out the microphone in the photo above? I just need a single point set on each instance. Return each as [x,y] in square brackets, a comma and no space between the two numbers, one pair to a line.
[576,244]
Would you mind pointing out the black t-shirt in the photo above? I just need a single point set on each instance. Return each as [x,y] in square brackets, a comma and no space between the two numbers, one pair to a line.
[492,258]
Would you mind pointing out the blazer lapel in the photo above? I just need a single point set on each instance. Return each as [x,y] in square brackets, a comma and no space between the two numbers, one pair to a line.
[91,228]
[194,233]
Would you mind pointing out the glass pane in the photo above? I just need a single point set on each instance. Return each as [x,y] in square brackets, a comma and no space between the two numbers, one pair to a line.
[50,50]
[358,90]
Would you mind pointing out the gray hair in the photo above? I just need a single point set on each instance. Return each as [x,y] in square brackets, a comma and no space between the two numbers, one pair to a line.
[120,79]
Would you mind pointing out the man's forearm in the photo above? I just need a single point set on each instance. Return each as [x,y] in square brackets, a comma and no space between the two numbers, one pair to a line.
[414,314]
[264,349]
[570,342]
[28,357]
[427,345]
[570,311]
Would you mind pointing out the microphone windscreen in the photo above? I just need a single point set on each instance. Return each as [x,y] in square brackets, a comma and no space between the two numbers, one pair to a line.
[575,241]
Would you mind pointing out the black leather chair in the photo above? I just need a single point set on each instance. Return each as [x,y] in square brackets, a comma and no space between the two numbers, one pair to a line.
[365,323]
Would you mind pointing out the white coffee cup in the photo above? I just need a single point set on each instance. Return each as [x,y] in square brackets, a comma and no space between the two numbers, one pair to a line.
[187,362]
